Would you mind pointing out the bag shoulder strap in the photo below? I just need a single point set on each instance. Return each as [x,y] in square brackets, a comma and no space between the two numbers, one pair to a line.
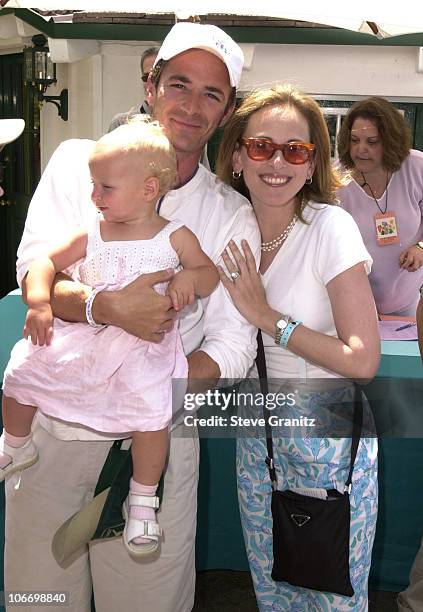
[357,426]
[264,387]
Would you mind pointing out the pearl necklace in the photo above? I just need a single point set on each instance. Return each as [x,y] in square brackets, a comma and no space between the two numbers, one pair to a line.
[273,244]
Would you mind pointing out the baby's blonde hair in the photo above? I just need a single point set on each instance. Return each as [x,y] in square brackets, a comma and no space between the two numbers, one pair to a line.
[147,139]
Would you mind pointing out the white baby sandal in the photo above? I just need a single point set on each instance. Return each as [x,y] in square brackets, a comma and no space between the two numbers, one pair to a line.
[21,457]
[147,529]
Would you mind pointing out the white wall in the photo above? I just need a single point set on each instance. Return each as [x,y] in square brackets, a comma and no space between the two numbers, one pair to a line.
[338,70]
[86,97]
[99,87]
[109,82]
[122,85]
[53,128]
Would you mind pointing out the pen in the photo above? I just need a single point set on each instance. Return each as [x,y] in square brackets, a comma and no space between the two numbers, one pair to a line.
[405,326]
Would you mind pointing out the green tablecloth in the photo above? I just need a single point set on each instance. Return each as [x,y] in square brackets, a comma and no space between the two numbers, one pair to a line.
[219,536]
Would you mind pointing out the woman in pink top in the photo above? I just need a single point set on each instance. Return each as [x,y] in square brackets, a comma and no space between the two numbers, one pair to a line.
[385,197]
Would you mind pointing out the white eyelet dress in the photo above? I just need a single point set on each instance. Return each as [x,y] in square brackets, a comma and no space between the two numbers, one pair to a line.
[104,378]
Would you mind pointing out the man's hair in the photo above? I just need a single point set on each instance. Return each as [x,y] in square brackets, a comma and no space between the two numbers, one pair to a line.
[148,53]
[147,139]
[393,131]
[326,180]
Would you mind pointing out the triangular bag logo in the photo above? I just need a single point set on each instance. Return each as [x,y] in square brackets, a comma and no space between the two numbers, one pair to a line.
[300,519]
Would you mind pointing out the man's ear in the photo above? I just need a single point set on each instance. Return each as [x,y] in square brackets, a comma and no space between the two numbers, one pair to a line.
[228,112]
[150,91]
[151,188]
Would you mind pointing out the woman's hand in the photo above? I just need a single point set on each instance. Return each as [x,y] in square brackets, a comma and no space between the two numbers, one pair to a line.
[411,259]
[246,290]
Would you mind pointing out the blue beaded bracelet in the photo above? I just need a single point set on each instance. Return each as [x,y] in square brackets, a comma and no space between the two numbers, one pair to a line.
[287,333]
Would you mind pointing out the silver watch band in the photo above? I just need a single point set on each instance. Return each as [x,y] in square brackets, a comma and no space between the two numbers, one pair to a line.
[278,330]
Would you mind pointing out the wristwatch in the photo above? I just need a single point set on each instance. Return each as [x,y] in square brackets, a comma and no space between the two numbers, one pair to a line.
[419,244]
[421,292]
[280,327]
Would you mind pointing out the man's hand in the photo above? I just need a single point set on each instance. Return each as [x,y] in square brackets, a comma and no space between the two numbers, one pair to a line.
[138,308]
[39,324]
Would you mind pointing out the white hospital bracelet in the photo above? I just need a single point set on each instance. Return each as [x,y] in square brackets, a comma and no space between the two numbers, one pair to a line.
[89,307]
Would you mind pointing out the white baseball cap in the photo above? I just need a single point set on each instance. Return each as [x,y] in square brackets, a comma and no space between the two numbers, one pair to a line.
[186,35]
[10,129]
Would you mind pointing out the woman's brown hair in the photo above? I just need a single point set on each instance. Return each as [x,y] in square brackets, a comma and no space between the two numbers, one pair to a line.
[392,127]
[326,179]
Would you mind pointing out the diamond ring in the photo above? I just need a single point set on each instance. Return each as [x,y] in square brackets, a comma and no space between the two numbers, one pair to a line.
[234,275]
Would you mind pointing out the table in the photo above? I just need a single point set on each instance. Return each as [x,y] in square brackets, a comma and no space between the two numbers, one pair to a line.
[400,520]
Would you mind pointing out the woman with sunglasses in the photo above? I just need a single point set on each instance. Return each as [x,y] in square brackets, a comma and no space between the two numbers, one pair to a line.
[312,301]
[385,197]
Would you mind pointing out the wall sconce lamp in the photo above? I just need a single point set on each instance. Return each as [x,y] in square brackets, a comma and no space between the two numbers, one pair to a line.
[40,73]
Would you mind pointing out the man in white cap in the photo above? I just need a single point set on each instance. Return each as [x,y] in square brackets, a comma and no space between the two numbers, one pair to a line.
[10,129]
[191,92]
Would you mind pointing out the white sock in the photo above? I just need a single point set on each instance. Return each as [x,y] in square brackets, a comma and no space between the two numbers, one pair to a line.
[14,442]
[142,512]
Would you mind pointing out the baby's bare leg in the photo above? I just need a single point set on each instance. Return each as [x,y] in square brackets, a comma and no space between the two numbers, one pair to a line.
[17,418]
[149,451]
[17,450]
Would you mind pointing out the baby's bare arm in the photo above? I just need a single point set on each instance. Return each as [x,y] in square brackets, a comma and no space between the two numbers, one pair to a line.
[198,267]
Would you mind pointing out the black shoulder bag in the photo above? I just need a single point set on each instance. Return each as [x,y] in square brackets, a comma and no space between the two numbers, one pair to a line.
[311,536]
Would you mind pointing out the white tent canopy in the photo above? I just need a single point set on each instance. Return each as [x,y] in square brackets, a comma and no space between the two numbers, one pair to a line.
[392,18]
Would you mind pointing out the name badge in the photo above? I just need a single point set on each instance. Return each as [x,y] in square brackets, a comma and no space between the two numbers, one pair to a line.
[386,228]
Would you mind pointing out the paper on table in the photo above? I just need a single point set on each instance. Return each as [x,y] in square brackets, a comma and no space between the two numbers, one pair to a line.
[387,330]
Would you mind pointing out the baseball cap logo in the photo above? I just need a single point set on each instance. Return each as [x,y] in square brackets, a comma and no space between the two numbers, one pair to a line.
[221,45]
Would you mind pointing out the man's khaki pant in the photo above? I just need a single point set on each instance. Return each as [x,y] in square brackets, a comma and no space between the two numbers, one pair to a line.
[412,597]
[58,485]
